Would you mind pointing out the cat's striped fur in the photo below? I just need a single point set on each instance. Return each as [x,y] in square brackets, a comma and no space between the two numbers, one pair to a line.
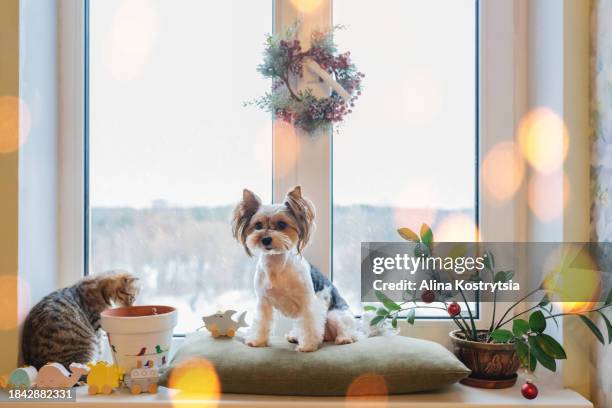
[64,326]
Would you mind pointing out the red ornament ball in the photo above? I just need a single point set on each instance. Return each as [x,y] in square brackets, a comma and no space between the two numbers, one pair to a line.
[529,390]
[454,309]
[428,296]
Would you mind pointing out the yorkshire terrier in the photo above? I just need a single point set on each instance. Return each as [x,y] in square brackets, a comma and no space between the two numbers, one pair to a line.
[284,279]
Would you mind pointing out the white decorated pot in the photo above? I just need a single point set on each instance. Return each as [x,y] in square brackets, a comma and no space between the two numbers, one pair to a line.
[139,335]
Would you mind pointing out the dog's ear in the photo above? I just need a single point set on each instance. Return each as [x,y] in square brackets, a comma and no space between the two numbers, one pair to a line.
[242,215]
[304,213]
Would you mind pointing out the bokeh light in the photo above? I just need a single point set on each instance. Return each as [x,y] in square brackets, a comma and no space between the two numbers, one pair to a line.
[15,123]
[503,170]
[195,380]
[368,385]
[572,278]
[406,214]
[134,33]
[548,195]
[456,228]
[543,139]
[306,6]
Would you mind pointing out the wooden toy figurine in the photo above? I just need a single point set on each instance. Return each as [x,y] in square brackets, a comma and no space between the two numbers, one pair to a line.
[142,379]
[22,377]
[54,375]
[221,323]
[103,378]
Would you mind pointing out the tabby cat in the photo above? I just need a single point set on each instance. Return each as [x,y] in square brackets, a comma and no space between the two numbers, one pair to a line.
[64,326]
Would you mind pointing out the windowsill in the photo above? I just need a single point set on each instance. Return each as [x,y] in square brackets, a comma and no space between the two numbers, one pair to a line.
[454,396]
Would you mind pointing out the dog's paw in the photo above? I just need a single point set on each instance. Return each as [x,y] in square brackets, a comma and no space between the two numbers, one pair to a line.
[256,342]
[291,338]
[307,348]
[344,340]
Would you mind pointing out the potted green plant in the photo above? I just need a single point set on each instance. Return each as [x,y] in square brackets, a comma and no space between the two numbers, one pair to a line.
[493,353]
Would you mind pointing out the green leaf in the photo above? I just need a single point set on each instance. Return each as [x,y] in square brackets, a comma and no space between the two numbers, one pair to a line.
[503,276]
[376,320]
[609,298]
[411,316]
[550,346]
[537,322]
[389,304]
[500,276]
[501,335]
[520,327]
[544,301]
[549,313]
[608,326]
[593,328]
[526,358]
[369,308]
[539,354]
[382,311]
[394,322]
[426,234]
[489,260]
[408,235]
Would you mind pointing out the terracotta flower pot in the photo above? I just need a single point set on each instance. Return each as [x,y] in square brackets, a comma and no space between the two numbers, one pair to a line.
[139,335]
[493,365]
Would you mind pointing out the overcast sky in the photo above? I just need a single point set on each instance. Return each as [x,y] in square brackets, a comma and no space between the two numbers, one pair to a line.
[169,78]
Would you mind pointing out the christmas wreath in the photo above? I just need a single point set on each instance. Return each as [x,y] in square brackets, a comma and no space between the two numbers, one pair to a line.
[284,60]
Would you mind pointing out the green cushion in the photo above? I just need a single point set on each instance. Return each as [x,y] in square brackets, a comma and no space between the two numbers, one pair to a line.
[406,365]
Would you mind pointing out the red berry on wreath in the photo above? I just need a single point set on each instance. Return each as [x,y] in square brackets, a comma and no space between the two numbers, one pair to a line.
[529,390]
[428,296]
[454,309]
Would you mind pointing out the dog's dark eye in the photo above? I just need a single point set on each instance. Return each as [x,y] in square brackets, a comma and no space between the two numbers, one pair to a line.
[258,225]
[281,225]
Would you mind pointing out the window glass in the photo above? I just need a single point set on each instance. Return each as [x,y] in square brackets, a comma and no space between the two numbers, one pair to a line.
[171,146]
[407,153]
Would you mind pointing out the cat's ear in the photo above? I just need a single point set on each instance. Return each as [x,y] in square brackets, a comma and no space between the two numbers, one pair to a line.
[118,287]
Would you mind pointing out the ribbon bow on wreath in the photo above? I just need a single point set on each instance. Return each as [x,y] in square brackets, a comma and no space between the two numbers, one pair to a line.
[284,58]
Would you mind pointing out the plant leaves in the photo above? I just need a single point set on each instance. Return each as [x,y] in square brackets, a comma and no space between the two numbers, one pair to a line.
[426,235]
[609,298]
[608,326]
[382,311]
[537,322]
[544,301]
[593,328]
[520,327]
[411,316]
[489,260]
[389,304]
[369,308]
[539,354]
[550,346]
[527,360]
[394,322]
[408,235]
[549,312]
[501,335]
[376,320]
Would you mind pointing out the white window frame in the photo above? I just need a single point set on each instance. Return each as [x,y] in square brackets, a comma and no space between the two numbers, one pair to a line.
[501,87]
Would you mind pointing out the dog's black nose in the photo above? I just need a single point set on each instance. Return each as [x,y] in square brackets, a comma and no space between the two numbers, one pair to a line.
[266,241]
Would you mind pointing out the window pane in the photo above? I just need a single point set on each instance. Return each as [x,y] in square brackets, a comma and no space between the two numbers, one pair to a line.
[407,153]
[172,147]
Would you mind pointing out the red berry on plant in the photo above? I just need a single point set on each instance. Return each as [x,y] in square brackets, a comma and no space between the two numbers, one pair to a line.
[454,309]
[529,390]
[428,296]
